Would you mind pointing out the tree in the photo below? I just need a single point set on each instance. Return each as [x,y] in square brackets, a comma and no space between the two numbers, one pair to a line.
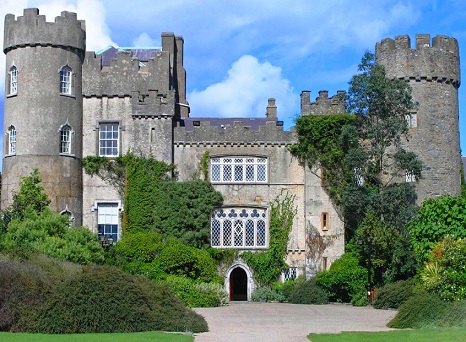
[436,219]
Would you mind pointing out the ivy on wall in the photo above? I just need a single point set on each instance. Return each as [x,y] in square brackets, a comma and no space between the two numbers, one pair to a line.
[268,265]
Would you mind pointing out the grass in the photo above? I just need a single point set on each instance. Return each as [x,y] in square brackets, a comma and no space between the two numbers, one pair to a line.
[117,337]
[431,335]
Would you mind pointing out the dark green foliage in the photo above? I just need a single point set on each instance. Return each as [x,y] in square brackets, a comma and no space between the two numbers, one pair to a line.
[427,310]
[26,283]
[49,233]
[152,202]
[143,247]
[182,210]
[308,292]
[105,299]
[437,218]
[392,258]
[196,294]
[345,280]
[445,272]
[268,265]
[322,143]
[266,294]
[179,259]
[286,288]
[391,296]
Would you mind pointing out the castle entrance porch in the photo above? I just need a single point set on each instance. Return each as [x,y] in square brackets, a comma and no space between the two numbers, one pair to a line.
[239,283]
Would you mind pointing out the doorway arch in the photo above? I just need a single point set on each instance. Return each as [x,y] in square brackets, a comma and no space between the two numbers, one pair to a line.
[239,283]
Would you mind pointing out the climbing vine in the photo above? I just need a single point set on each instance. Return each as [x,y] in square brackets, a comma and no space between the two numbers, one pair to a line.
[268,265]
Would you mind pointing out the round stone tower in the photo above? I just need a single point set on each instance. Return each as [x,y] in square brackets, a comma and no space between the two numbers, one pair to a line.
[433,71]
[43,107]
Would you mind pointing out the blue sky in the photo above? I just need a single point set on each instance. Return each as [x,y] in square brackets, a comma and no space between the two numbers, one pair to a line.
[239,53]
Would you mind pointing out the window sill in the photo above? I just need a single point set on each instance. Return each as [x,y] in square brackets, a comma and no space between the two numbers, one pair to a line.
[9,155]
[68,95]
[68,155]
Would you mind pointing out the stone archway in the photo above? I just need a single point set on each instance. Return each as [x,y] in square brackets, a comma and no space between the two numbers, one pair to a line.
[239,283]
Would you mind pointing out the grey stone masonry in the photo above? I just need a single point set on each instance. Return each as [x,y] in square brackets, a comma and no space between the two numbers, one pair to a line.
[323,103]
[433,71]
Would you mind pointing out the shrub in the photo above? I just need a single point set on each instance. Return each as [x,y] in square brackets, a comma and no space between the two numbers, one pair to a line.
[308,292]
[179,259]
[197,294]
[344,280]
[105,299]
[266,294]
[391,296]
[427,310]
[287,287]
[140,246]
[49,233]
[445,272]
[26,283]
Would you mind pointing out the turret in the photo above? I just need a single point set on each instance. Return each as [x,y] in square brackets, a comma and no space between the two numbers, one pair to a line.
[43,107]
[433,71]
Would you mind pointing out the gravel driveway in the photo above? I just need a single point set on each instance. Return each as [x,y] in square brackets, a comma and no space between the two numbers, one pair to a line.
[276,322]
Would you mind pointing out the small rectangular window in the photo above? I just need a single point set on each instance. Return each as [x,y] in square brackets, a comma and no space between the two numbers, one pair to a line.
[324,221]
[109,139]
[324,263]
[107,220]
[411,120]
[410,177]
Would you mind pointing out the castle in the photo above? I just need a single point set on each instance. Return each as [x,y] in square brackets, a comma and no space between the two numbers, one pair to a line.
[63,103]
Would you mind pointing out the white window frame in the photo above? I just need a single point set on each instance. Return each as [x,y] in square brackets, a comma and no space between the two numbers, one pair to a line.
[66,140]
[109,139]
[411,120]
[66,76]
[11,140]
[410,177]
[239,228]
[239,169]
[107,217]
[13,80]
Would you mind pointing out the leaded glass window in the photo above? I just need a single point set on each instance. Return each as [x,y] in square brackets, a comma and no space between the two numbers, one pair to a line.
[13,84]
[238,170]
[239,228]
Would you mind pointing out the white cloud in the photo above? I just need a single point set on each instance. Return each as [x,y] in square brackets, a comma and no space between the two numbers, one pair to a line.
[145,40]
[244,92]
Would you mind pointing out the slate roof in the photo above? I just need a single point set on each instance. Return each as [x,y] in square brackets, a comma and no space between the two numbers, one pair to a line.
[142,54]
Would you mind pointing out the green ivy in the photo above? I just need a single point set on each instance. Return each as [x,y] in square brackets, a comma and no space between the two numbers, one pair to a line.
[268,265]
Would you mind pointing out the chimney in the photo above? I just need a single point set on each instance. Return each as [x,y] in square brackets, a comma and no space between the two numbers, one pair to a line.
[271,109]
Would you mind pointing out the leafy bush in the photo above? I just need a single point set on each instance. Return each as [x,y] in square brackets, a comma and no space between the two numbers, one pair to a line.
[308,292]
[26,283]
[266,294]
[178,259]
[344,280]
[427,310]
[287,287]
[391,296]
[140,246]
[197,294]
[445,273]
[106,299]
[48,232]
[437,218]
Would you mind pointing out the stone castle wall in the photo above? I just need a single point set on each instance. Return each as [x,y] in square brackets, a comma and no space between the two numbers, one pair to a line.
[433,71]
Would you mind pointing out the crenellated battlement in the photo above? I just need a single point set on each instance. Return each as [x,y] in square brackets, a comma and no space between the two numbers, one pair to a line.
[152,104]
[32,29]
[238,134]
[323,103]
[436,60]
[125,75]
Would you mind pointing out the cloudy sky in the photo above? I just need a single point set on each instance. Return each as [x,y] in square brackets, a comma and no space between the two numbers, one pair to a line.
[238,53]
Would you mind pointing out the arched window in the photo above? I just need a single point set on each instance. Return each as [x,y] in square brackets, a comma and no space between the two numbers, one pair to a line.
[11,140]
[65,80]
[65,139]
[13,81]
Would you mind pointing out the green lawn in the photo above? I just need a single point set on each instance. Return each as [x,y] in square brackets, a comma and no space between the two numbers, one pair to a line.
[130,337]
[431,335]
